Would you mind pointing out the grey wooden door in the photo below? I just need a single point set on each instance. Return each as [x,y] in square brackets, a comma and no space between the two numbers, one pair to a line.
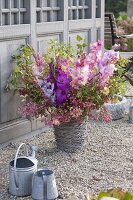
[36,22]
[65,19]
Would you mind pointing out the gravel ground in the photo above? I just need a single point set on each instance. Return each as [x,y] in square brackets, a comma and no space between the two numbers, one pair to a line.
[106,162]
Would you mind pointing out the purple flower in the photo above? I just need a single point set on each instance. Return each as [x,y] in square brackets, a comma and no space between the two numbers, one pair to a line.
[48,89]
[107,70]
[61,96]
[52,98]
[62,87]
[62,81]
[108,57]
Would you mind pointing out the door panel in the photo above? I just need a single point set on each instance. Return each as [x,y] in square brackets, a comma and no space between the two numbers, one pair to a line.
[9,101]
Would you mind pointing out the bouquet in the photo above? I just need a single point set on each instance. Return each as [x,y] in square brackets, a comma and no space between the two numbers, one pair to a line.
[62,85]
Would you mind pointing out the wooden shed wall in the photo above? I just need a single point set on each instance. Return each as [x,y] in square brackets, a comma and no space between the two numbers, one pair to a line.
[36,22]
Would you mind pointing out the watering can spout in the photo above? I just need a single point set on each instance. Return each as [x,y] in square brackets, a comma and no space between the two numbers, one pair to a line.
[34,150]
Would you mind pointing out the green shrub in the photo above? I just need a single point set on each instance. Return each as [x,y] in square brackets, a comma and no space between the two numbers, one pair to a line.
[117,193]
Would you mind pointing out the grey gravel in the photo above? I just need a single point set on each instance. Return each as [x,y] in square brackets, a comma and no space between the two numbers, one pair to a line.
[106,162]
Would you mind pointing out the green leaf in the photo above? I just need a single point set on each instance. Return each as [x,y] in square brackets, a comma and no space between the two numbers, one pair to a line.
[79,46]
[102,194]
[128,196]
[79,38]
[17,69]
[85,44]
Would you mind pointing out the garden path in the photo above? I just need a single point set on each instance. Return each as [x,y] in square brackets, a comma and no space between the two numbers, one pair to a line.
[106,162]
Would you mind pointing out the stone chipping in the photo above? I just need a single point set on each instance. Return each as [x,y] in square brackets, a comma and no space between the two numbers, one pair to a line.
[105,162]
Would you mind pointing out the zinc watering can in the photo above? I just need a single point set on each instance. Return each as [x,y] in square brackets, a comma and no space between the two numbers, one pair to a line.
[44,185]
[131,112]
[21,171]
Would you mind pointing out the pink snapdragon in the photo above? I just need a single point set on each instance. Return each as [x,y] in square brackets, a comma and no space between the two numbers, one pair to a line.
[106,66]
[39,65]
[79,76]
[106,72]
[95,54]
[80,72]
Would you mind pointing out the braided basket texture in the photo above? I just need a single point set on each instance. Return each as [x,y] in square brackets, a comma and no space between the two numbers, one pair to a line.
[71,136]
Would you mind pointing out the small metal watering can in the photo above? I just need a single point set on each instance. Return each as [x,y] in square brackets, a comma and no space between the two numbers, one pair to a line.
[21,171]
[131,112]
[44,185]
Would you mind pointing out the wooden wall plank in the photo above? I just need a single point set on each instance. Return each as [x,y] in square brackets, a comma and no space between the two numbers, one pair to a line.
[14,130]
[9,101]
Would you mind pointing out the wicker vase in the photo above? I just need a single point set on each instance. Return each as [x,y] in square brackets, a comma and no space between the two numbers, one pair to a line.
[71,136]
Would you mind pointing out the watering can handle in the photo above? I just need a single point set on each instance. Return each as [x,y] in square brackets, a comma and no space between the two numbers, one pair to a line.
[44,186]
[15,163]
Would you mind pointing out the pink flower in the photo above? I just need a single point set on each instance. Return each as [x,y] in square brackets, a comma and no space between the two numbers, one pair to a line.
[116,46]
[28,109]
[39,61]
[79,76]
[107,71]
[39,65]
[55,122]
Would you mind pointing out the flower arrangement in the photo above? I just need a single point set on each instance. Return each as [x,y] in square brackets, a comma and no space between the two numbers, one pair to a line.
[60,86]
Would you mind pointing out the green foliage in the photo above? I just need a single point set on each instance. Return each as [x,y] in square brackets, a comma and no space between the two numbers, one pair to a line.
[130,44]
[23,69]
[122,16]
[81,45]
[103,194]
[118,83]
[59,49]
[115,6]
[79,38]
[120,194]
[117,193]
[107,47]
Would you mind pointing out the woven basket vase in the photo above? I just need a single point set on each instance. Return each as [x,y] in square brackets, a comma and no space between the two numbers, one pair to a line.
[71,136]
